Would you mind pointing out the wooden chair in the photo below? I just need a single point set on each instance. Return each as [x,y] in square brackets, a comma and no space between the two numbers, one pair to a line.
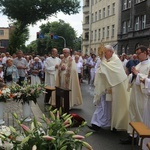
[48,96]
[142,130]
[148,145]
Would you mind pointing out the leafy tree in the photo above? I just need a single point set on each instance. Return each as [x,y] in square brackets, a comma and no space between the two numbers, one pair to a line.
[18,37]
[60,29]
[27,12]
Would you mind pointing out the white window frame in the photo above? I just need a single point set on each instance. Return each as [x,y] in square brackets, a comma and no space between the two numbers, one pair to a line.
[104,12]
[113,31]
[103,35]
[137,23]
[108,10]
[96,16]
[124,4]
[95,38]
[108,31]
[113,8]
[99,34]
[124,27]
[100,14]
[1,32]
[143,21]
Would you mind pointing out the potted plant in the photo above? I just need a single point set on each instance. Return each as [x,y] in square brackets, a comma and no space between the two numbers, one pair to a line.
[52,133]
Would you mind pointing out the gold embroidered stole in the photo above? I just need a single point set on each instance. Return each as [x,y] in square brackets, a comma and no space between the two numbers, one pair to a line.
[68,63]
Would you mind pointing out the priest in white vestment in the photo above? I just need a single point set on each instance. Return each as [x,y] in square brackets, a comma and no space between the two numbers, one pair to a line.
[68,78]
[111,97]
[138,98]
[51,70]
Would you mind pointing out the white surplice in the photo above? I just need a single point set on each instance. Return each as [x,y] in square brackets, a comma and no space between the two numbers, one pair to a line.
[138,98]
[51,73]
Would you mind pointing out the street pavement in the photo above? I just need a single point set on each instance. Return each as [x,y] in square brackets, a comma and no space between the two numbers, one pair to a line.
[104,139]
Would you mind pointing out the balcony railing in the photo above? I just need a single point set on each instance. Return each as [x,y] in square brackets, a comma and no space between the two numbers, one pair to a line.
[85,26]
[85,42]
[86,9]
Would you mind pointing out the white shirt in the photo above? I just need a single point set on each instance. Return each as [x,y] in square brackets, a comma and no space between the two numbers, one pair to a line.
[79,67]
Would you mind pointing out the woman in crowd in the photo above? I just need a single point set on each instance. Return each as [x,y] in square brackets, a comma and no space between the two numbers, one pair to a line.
[35,69]
[10,72]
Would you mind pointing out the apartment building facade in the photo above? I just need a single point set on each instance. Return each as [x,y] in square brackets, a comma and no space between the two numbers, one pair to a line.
[100,24]
[4,38]
[134,25]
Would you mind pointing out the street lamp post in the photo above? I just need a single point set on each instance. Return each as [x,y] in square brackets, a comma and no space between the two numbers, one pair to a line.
[64,40]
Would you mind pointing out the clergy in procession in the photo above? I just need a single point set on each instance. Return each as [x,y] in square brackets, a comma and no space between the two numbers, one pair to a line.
[68,78]
[138,98]
[51,70]
[110,95]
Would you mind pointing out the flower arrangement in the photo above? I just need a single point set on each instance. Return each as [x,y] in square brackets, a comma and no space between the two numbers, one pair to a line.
[53,133]
[5,94]
[27,92]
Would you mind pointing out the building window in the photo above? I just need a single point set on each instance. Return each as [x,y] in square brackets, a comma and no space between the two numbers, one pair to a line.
[100,15]
[103,36]
[124,4]
[136,23]
[95,1]
[95,35]
[129,4]
[113,31]
[128,25]
[107,31]
[92,18]
[138,1]
[92,36]
[99,34]
[103,12]
[95,16]
[124,29]
[122,49]
[108,10]
[1,32]
[143,21]
[113,8]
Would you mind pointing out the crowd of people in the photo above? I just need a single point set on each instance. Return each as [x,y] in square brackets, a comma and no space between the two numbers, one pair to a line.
[121,83]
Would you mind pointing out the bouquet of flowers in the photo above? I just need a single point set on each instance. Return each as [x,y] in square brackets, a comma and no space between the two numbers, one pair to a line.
[53,133]
[27,92]
[5,94]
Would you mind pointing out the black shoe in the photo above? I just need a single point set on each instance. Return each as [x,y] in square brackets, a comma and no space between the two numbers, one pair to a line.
[94,127]
[128,140]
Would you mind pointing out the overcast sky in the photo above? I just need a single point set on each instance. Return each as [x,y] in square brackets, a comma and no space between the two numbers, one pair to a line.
[74,20]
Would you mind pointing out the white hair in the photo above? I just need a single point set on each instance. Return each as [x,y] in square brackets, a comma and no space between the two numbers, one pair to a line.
[67,49]
[109,47]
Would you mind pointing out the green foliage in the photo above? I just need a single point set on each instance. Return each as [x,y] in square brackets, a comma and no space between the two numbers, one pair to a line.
[30,11]
[18,37]
[27,12]
[59,28]
[52,134]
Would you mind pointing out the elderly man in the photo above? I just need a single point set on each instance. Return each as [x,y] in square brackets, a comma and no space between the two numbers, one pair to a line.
[51,70]
[68,78]
[21,64]
[111,96]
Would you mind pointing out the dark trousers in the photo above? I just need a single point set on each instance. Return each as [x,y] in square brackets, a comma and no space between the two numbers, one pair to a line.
[47,96]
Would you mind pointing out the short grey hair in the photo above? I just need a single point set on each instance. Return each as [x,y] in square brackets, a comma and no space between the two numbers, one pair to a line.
[67,49]
[109,47]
